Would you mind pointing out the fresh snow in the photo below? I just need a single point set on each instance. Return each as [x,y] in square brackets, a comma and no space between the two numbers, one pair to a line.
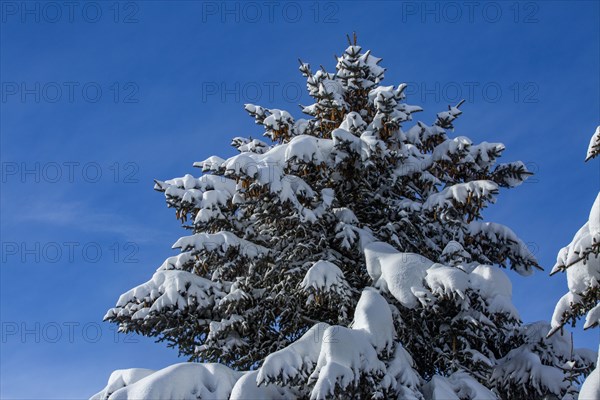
[496,286]
[184,381]
[592,318]
[438,388]
[324,276]
[295,360]
[401,375]
[526,368]
[220,242]
[449,281]
[345,353]
[412,279]
[590,390]
[462,193]
[374,317]
[582,266]
[402,274]
[458,386]
[594,147]
[121,378]
[168,289]
[247,388]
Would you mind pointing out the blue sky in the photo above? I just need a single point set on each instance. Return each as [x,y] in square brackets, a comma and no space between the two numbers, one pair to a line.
[100,98]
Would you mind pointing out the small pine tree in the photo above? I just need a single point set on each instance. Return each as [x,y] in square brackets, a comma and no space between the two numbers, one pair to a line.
[347,258]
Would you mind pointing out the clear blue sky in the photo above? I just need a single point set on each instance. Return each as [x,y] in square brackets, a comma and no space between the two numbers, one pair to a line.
[100,98]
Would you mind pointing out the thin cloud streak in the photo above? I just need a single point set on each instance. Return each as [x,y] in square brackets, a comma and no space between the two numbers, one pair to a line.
[81,216]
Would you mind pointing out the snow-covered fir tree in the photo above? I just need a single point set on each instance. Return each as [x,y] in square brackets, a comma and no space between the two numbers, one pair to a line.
[345,257]
[580,260]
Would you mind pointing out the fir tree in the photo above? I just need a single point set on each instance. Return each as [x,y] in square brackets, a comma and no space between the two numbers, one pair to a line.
[581,262]
[347,257]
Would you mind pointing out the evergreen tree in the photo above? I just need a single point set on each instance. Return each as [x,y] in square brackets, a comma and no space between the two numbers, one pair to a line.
[581,262]
[347,257]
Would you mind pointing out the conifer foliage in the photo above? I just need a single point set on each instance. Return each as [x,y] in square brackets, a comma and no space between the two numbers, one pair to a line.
[581,262]
[346,256]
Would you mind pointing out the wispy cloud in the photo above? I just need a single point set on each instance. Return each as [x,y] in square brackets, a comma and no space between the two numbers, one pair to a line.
[77,215]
